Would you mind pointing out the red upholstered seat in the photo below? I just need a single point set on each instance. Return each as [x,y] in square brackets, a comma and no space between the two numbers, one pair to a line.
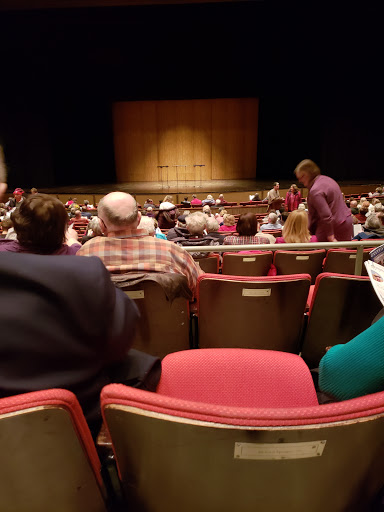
[238,378]
[216,457]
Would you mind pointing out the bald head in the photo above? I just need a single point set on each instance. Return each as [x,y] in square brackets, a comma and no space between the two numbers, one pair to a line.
[118,211]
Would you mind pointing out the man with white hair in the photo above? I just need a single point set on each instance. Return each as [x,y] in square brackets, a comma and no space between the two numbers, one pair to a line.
[272,223]
[125,248]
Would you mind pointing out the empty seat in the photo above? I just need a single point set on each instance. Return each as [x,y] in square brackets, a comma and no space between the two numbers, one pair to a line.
[210,455]
[342,306]
[251,312]
[48,458]
[342,261]
[247,264]
[298,262]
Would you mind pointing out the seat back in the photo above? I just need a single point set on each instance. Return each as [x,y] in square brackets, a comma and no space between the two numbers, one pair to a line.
[48,458]
[251,312]
[342,261]
[247,264]
[209,264]
[212,457]
[163,326]
[298,262]
[342,307]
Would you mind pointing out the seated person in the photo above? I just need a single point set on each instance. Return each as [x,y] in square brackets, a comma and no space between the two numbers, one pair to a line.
[355,368]
[48,341]
[41,226]
[167,215]
[255,197]
[195,200]
[229,223]
[93,229]
[126,249]
[371,229]
[185,203]
[247,228]
[295,229]
[220,200]
[272,223]
[209,201]
[212,228]
[78,218]
[196,224]
[363,210]
[180,230]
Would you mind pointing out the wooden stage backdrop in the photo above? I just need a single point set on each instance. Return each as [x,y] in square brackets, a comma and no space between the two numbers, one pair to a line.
[185,140]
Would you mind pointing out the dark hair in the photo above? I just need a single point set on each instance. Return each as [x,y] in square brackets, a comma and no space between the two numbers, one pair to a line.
[247,224]
[40,223]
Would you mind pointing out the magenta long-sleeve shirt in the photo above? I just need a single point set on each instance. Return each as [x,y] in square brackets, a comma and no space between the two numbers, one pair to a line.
[327,211]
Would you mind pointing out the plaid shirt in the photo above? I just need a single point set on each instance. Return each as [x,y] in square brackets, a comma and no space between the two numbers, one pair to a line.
[245,240]
[138,252]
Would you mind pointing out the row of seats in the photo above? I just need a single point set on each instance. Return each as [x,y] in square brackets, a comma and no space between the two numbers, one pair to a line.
[314,262]
[227,429]
[256,312]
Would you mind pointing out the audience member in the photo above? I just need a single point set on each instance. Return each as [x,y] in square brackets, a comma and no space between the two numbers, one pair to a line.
[185,203]
[220,216]
[371,229]
[148,202]
[293,198]
[167,215]
[41,226]
[180,230]
[355,368]
[207,210]
[255,197]
[48,341]
[209,201]
[195,201]
[212,228]
[33,191]
[127,249]
[229,223]
[196,224]
[363,211]
[272,223]
[295,229]
[78,218]
[93,229]
[220,200]
[247,229]
[329,217]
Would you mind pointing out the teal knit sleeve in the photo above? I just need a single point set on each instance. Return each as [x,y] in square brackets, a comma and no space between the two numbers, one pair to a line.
[356,368]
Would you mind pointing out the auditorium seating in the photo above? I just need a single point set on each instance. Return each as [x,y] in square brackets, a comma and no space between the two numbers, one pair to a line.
[342,261]
[342,307]
[247,264]
[48,457]
[295,262]
[211,440]
[164,319]
[209,264]
[251,312]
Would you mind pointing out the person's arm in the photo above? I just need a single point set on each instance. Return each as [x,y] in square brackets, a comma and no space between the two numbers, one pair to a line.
[355,368]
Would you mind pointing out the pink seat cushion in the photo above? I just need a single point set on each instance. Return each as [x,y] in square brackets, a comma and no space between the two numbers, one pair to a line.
[238,378]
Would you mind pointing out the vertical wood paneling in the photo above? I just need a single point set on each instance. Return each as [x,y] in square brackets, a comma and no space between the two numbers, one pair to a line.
[219,134]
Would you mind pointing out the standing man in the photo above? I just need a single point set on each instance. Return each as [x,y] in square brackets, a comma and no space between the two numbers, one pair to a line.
[329,217]
[273,197]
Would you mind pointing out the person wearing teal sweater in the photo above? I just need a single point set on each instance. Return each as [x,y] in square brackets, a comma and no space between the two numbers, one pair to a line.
[355,368]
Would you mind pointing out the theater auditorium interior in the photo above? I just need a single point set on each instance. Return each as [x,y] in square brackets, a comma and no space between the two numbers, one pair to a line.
[174,375]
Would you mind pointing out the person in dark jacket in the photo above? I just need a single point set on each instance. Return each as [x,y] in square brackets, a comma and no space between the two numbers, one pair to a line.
[180,230]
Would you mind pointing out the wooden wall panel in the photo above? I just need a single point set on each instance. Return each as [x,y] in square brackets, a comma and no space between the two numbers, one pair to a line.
[185,140]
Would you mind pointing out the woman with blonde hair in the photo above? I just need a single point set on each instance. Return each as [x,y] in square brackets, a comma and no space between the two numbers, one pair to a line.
[295,229]
[229,223]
